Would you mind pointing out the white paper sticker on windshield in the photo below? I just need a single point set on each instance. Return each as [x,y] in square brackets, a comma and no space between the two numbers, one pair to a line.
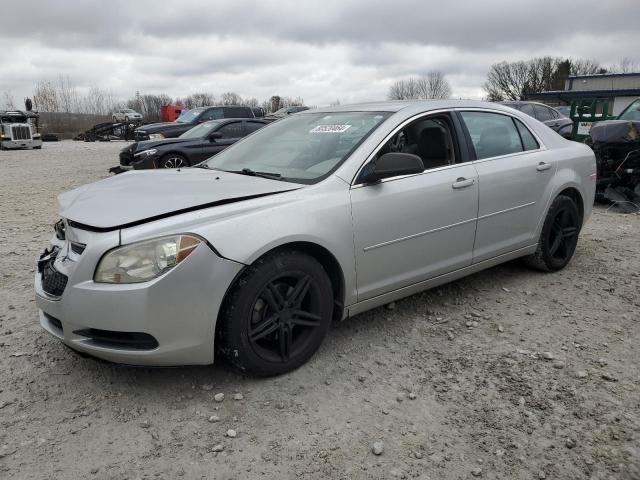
[330,129]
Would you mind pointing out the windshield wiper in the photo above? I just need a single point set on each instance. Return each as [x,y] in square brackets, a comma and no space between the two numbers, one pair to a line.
[253,173]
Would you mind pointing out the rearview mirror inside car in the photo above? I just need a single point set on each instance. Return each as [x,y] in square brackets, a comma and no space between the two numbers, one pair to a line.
[392,165]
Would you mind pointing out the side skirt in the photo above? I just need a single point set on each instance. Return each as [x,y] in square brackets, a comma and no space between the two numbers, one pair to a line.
[435,281]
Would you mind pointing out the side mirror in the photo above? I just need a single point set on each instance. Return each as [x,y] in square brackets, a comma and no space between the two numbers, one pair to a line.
[392,165]
[215,136]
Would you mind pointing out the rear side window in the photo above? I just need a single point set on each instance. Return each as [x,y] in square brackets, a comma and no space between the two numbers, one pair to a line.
[492,134]
[528,109]
[236,112]
[528,140]
[543,113]
[253,126]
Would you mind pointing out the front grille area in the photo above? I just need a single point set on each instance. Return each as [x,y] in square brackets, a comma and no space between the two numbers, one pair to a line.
[21,133]
[121,340]
[53,282]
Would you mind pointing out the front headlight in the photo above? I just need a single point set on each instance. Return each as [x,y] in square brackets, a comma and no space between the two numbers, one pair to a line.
[144,261]
[156,136]
[146,153]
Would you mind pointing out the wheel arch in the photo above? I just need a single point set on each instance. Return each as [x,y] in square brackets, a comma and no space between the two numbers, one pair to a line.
[576,196]
[328,261]
[175,152]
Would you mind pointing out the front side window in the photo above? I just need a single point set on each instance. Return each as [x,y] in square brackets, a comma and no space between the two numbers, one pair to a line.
[301,148]
[231,130]
[212,114]
[430,138]
[492,134]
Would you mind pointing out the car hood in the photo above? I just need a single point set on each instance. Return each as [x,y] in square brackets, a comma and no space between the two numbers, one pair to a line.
[155,127]
[148,144]
[138,197]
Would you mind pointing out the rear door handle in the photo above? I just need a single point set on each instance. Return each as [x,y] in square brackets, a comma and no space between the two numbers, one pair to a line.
[463,183]
[542,166]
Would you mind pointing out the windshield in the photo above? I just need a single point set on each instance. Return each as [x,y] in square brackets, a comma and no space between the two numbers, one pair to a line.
[632,112]
[302,148]
[128,110]
[201,130]
[188,116]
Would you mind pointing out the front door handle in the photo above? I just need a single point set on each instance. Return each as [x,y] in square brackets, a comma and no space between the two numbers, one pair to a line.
[542,166]
[463,183]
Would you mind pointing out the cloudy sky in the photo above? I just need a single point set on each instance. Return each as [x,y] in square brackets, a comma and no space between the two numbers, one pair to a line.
[319,50]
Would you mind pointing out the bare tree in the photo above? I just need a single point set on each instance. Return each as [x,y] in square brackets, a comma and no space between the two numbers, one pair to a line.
[230,98]
[251,102]
[45,97]
[67,95]
[626,65]
[584,66]
[7,99]
[515,80]
[432,85]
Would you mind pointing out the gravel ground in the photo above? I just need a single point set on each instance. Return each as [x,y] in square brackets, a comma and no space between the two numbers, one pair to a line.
[507,374]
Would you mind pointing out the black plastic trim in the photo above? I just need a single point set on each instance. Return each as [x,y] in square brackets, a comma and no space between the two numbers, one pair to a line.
[122,340]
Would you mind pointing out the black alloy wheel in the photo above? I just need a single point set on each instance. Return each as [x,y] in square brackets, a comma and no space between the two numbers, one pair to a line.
[559,236]
[173,160]
[284,317]
[277,314]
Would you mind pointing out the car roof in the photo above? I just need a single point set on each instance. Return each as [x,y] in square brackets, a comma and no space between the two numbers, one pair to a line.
[524,102]
[409,105]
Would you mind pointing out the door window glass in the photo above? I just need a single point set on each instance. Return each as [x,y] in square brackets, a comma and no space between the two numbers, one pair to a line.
[212,114]
[528,140]
[253,126]
[231,130]
[429,138]
[528,109]
[492,134]
[543,113]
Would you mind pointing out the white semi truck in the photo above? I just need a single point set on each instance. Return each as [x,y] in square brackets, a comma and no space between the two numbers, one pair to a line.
[19,129]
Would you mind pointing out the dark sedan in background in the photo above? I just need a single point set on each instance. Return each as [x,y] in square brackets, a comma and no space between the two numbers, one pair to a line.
[189,119]
[547,115]
[190,148]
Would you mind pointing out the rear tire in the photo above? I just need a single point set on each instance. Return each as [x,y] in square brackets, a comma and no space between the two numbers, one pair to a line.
[276,315]
[559,236]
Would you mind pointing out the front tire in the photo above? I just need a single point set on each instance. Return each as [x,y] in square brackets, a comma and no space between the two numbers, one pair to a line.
[559,236]
[173,160]
[277,314]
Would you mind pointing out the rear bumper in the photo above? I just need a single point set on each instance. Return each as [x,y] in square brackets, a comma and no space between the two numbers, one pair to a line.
[178,311]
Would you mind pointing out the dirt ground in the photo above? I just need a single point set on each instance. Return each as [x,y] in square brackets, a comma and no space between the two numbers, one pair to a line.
[507,374]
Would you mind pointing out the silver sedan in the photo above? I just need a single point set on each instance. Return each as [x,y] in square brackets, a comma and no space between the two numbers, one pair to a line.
[320,216]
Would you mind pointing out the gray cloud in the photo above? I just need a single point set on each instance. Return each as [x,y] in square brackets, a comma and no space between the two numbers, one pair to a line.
[321,51]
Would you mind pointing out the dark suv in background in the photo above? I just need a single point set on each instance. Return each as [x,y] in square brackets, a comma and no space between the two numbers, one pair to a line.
[547,115]
[188,120]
